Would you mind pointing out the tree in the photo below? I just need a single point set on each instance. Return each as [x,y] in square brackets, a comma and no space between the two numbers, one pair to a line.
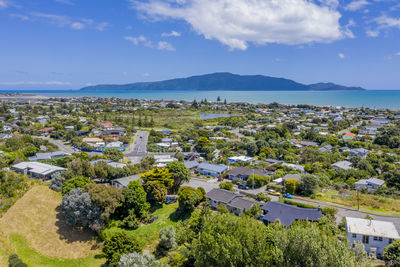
[251,149]
[56,182]
[308,185]
[136,259]
[392,254]
[189,198]
[147,162]
[257,180]
[290,186]
[160,175]
[167,239]
[330,213]
[79,167]
[113,154]
[226,185]
[108,198]
[80,210]
[15,261]
[75,182]
[180,174]
[135,200]
[222,208]
[156,191]
[254,211]
[118,244]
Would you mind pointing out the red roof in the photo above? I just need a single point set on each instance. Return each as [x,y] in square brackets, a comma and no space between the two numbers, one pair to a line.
[350,134]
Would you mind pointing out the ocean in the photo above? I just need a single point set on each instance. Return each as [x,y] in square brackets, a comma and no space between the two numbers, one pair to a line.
[371,98]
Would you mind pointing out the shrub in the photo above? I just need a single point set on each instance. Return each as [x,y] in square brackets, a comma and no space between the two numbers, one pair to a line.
[118,244]
[167,239]
[15,261]
[56,182]
[297,204]
[189,198]
[136,259]
[226,186]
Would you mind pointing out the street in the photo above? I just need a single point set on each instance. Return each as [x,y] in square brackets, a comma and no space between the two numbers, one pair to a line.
[139,146]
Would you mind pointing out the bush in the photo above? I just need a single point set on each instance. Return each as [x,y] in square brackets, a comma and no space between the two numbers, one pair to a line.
[76,182]
[118,244]
[130,222]
[167,239]
[189,198]
[226,185]
[330,213]
[56,182]
[15,261]
[138,260]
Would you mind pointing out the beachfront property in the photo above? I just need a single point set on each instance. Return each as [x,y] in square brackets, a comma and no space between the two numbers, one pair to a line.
[374,235]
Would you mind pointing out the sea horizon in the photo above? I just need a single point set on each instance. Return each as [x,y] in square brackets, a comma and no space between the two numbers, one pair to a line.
[368,98]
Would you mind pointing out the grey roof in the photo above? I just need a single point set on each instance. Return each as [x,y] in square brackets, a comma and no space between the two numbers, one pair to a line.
[124,181]
[48,155]
[242,171]
[242,203]
[344,164]
[371,180]
[287,214]
[308,143]
[222,195]
[289,176]
[212,167]
[191,164]
[273,161]
[326,148]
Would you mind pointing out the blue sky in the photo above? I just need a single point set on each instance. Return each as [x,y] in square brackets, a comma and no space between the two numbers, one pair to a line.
[68,44]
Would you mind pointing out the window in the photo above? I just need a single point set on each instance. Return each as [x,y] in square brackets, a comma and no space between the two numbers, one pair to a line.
[375,238]
[380,238]
[390,241]
[365,239]
[354,235]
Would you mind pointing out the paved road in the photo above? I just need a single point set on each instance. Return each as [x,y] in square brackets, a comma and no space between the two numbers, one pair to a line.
[61,146]
[139,146]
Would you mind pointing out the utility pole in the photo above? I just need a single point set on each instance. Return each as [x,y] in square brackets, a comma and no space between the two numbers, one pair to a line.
[358,200]
[253,178]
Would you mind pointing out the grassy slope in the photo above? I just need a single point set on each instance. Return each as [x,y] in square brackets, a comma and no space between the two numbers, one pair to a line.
[32,229]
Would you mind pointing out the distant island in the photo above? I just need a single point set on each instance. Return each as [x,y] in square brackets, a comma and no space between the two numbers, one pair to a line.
[224,82]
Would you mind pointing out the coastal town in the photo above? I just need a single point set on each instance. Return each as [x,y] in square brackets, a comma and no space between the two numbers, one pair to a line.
[123,165]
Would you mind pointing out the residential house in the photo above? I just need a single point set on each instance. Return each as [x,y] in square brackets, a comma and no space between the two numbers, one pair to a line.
[49,155]
[5,136]
[289,176]
[349,136]
[287,214]
[191,165]
[239,159]
[242,173]
[370,184]
[36,169]
[235,203]
[343,165]
[215,170]
[374,235]
[362,152]
[124,181]
[326,149]
[109,163]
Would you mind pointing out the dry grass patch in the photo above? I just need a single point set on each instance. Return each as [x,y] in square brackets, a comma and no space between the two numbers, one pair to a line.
[35,217]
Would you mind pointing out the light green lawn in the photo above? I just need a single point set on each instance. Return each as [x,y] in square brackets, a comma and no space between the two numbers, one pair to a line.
[147,235]
[33,258]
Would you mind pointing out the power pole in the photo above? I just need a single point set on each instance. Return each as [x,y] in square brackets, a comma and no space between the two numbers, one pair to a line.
[358,200]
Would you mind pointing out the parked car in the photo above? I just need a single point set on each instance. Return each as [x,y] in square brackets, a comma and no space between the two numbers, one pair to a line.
[289,196]
[273,192]
[243,186]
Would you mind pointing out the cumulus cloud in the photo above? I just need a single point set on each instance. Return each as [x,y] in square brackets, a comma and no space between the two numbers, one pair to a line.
[162,45]
[372,33]
[398,53]
[35,83]
[77,25]
[240,22]
[341,55]
[356,5]
[171,34]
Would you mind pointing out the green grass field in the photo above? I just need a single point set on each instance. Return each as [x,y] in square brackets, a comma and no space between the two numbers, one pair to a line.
[33,229]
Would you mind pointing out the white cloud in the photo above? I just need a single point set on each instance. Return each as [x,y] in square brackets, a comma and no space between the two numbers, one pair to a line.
[330,3]
[35,83]
[387,22]
[171,34]
[162,45]
[397,54]
[146,74]
[236,23]
[62,21]
[356,5]
[4,3]
[101,26]
[372,33]
[341,55]
[77,25]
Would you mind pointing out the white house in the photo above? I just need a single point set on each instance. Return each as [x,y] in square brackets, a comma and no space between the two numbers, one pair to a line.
[36,169]
[374,235]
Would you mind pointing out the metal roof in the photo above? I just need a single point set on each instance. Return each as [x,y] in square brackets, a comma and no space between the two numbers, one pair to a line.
[371,228]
